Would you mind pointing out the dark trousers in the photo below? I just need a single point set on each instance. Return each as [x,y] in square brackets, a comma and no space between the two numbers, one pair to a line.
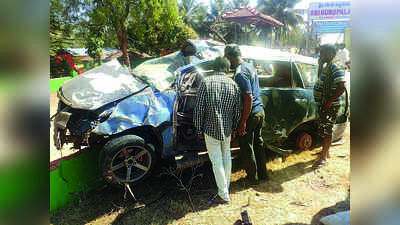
[252,152]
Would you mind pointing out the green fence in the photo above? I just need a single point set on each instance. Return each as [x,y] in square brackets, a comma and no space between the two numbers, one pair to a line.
[73,176]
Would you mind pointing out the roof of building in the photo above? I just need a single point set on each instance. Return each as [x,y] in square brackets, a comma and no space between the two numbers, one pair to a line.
[250,16]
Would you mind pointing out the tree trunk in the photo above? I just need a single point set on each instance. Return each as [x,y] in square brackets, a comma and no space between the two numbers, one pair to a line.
[124,44]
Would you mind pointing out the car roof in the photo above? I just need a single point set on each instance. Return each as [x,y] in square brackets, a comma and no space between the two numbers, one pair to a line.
[260,53]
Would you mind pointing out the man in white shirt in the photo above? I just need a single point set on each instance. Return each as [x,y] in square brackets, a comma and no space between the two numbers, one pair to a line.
[343,55]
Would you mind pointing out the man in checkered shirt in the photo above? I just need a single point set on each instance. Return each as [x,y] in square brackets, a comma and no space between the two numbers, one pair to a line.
[216,116]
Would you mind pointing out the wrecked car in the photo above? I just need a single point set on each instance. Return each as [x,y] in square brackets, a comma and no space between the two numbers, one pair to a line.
[141,116]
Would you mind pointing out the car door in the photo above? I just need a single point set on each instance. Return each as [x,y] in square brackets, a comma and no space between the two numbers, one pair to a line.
[285,99]
[185,134]
[189,79]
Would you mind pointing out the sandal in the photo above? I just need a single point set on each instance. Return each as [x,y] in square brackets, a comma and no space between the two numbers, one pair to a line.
[216,199]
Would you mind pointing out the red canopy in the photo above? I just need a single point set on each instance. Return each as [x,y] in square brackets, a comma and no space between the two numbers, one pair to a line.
[250,16]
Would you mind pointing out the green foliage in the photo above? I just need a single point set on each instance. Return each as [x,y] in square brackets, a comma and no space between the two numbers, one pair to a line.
[283,12]
[94,42]
[147,26]
[61,69]
[182,33]
[112,16]
[158,26]
[59,32]
[66,28]
[189,10]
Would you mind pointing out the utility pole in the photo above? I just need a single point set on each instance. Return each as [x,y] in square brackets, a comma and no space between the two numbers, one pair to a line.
[308,30]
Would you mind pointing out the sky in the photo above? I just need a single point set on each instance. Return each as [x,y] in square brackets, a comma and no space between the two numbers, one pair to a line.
[303,4]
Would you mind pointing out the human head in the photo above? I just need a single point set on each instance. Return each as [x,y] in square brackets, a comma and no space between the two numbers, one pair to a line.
[317,49]
[327,53]
[221,64]
[233,54]
[337,46]
[342,46]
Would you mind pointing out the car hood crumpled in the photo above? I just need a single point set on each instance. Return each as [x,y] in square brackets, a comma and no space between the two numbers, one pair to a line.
[99,86]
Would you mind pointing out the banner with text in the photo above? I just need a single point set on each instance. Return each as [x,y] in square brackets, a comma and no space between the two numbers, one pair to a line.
[329,26]
[329,10]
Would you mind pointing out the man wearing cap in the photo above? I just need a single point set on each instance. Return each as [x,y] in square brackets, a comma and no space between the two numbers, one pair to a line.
[327,94]
[250,125]
[216,116]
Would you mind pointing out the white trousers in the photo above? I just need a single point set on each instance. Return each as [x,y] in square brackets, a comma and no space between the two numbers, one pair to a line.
[220,156]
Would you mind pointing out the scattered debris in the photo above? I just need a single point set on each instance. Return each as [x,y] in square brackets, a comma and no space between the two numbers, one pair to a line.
[245,218]
[337,143]
[127,187]
[177,174]
[305,204]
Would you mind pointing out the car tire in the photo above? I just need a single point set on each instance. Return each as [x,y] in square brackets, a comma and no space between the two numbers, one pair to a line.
[127,159]
[303,141]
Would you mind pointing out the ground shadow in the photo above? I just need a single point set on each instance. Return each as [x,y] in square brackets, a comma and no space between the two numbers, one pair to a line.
[277,178]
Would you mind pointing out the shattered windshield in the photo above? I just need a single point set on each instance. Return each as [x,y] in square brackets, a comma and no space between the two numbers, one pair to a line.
[159,72]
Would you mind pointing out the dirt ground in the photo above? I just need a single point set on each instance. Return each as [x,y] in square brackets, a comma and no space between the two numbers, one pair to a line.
[295,194]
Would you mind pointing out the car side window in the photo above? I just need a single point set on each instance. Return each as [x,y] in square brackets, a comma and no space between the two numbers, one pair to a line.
[273,73]
[308,73]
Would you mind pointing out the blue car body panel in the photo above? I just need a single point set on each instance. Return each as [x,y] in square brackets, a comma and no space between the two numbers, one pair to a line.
[148,108]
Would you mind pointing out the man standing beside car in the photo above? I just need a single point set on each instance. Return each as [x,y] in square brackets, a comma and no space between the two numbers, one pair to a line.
[327,91]
[216,116]
[250,125]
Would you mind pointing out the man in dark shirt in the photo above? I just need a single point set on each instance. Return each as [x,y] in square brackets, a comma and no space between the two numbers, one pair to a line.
[250,125]
[216,116]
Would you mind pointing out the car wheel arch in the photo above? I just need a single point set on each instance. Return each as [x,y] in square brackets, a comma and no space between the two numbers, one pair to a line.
[127,145]
[309,126]
[150,134]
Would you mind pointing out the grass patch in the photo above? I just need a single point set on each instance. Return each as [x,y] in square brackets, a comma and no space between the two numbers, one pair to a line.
[56,83]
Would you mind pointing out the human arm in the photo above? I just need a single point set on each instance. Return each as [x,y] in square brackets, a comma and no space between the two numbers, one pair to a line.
[247,106]
[339,91]
[247,100]
[237,111]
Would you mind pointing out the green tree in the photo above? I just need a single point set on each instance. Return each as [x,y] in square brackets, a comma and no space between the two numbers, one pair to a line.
[114,15]
[66,28]
[158,26]
[94,42]
[281,10]
[195,16]
[60,31]
[217,9]
[189,10]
